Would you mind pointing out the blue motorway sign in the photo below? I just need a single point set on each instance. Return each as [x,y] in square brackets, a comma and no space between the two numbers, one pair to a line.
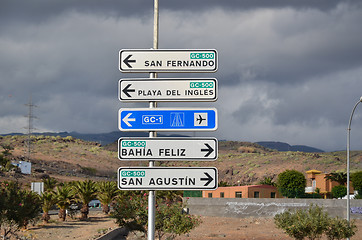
[167,119]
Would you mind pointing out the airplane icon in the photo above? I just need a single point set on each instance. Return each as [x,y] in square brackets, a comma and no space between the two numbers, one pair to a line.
[200,119]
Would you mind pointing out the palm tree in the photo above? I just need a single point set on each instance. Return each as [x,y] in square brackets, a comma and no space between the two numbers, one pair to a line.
[107,191]
[267,181]
[64,196]
[85,191]
[47,199]
[49,184]
[340,177]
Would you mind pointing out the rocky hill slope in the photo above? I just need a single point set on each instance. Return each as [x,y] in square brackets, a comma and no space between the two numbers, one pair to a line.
[67,158]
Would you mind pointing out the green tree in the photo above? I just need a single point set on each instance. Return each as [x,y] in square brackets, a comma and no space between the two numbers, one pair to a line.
[5,162]
[84,192]
[339,191]
[64,196]
[291,183]
[107,191]
[47,200]
[356,179]
[20,207]
[340,177]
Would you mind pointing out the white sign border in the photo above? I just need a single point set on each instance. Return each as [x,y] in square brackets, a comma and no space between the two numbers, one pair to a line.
[169,138]
[214,187]
[190,99]
[168,129]
[130,70]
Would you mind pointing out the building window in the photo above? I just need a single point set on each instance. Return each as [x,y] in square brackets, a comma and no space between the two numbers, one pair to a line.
[272,195]
[209,195]
[238,194]
[256,194]
[222,195]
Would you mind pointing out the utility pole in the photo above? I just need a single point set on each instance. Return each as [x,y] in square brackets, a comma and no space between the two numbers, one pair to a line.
[30,127]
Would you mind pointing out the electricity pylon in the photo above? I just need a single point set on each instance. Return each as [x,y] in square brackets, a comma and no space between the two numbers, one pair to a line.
[30,127]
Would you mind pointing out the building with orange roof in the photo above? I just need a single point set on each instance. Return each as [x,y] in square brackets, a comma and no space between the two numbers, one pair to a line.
[251,191]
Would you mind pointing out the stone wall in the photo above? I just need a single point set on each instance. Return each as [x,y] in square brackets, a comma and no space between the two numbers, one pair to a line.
[267,207]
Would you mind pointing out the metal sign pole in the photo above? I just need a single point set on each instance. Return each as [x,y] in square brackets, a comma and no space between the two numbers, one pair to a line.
[152,194]
[348,160]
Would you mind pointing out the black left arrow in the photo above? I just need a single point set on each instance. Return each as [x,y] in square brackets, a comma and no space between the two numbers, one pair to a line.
[127,61]
[209,150]
[126,90]
[208,179]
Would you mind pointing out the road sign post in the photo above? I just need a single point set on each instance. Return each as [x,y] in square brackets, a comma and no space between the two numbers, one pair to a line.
[168,149]
[167,119]
[167,89]
[168,60]
[152,119]
[167,178]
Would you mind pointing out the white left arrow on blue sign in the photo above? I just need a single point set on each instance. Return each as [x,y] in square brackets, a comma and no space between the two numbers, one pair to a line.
[127,119]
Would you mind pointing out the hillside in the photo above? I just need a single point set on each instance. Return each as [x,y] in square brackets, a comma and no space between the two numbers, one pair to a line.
[111,137]
[283,147]
[67,158]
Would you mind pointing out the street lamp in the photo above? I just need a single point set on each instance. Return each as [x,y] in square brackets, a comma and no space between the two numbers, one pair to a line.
[348,147]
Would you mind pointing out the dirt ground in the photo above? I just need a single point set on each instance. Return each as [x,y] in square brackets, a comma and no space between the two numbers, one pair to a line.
[94,227]
[212,228]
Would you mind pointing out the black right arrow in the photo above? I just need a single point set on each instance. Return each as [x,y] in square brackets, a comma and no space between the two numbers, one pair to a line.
[127,61]
[126,90]
[209,150]
[208,179]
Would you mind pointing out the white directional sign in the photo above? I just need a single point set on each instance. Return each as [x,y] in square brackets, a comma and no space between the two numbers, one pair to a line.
[167,178]
[167,89]
[168,60]
[168,149]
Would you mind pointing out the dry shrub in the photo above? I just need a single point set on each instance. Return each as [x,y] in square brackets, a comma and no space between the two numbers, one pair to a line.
[246,149]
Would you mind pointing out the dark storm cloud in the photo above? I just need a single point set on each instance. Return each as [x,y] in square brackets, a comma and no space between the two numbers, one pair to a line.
[41,10]
[289,70]
[272,45]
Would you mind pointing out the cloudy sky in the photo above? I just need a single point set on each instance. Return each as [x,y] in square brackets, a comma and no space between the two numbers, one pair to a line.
[289,70]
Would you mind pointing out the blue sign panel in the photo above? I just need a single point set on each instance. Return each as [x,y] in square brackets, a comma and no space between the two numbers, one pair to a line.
[167,119]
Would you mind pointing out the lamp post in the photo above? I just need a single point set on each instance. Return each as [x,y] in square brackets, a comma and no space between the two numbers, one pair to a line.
[348,147]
